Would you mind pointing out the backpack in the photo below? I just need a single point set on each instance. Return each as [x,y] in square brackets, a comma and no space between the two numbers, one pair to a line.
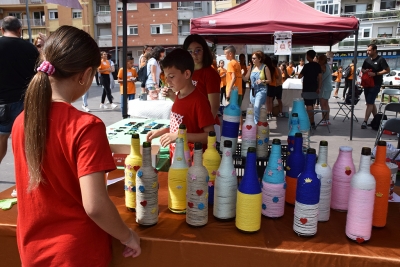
[346,72]
[376,121]
[142,74]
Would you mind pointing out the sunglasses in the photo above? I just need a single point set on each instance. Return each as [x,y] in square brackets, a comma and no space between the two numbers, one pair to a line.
[39,46]
[196,51]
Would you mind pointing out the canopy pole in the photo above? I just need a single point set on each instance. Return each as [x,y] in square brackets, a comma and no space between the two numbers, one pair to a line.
[353,83]
[124,53]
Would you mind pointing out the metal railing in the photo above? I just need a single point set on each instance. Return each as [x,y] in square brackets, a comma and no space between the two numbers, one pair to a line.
[31,1]
[189,8]
[373,15]
[105,37]
[103,13]
[33,22]
[385,42]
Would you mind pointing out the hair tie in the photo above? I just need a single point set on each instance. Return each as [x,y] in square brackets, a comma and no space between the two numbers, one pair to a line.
[46,67]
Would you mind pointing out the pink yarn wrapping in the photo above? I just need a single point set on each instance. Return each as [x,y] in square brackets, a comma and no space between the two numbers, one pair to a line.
[342,172]
[269,192]
[249,134]
[359,215]
[46,67]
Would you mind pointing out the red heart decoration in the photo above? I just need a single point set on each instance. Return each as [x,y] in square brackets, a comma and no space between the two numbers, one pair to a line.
[265,124]
[259,123]
[190,204]
[155,170]
[249,127]
[360,240]
[199,192]
[136,168]
[348,172]
[303,220]
[143,203]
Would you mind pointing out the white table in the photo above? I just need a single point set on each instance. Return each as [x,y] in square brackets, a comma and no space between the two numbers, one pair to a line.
[154,109]
[292,89]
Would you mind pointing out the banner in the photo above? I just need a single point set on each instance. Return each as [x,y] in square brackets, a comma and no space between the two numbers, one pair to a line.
[283,43]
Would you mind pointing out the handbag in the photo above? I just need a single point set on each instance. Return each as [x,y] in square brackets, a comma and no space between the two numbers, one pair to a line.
[366,80]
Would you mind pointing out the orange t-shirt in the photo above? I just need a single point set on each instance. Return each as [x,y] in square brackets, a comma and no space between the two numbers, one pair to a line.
[131,84]
[234,67]
[105,64]
[221,72]
[276,76]
[338,75]
[244,68]
[53,227]
[289,70]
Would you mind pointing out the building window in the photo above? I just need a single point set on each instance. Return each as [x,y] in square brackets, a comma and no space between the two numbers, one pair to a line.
[328,6]
[160,5]
[76,13]
[388,4]
[132,30]
[365,33]
[355,8]
[129,6]
[385,32]
[161,29]
[53,14]
[103,10]
[197,5]
[15,14]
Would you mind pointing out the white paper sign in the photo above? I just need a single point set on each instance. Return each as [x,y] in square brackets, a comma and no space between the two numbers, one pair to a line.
[283,43]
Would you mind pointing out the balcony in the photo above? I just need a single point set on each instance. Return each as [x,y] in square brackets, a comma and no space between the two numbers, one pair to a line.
[33,22]
[21,2]
[103,17]
[104,41]
[371,15]
[389,42]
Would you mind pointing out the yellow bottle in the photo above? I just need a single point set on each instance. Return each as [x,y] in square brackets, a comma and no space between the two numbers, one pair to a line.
[182,134]
[132,164]
[211,160]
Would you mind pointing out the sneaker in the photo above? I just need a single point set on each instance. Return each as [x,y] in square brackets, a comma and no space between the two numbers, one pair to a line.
[342,98]
[102,106]
[280,115]
[113,106]
[316,106]
[364,125]
[85,108]
[335,96]
[323,123]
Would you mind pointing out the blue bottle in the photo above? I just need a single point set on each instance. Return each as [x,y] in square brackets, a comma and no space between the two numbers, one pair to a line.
[294,128]
[231,121]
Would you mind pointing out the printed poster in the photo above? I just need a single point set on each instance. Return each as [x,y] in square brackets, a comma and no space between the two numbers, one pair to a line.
[283,43]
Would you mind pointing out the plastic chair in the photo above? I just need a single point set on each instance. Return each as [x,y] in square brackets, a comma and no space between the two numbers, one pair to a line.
[392,125]
[389,92]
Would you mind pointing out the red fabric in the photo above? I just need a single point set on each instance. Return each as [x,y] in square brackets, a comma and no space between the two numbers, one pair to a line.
[53,227]
[253,23]
[367,81]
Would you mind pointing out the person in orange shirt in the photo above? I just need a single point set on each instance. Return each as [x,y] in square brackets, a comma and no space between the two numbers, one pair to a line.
[233,73]
[338,75]
[348,80]
[290,69]
[222,75]
[131,76]
[243,68]
[105,69]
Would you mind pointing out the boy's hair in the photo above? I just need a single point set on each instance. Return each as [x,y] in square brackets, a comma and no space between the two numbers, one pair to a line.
[340,67]
[230,48]
[179,59]
[311,53]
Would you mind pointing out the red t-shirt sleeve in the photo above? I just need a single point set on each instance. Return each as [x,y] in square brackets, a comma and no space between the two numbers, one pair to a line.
[93,151]
[204,115]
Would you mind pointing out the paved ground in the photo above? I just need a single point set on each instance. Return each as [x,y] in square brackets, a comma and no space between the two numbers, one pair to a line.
[339,135]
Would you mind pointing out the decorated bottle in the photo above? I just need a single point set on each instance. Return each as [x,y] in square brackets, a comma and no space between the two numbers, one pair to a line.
[249,131]
[197,190]
[211,160]
[307,198]
[361,200]
[177,180]
[182,134]
[382,175]
[249,198]
[225,186]
[300,108]
[147,190]
[132,164]
[294,128]
[294,166]
[324,173]
[231,120]
[273,184]
[262,134]
[342,172]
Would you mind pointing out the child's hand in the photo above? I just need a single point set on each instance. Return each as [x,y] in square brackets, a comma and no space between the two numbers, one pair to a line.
[132,249]
[168,138]
[151,135]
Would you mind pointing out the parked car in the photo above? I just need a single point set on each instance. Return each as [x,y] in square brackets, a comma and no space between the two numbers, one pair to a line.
[392,78]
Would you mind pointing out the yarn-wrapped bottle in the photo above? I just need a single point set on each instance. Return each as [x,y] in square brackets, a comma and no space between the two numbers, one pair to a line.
[300,108]
[249,131]
[262,134]
[225,188]
[324,173]
[211,160]
[249,199]
[361,200]
[231,120]
[147,190]
[273,184]
[197,190]
[294,128]
[307,198]
[294,166]
[342,172]
[177,180]
[132,164]
[182,133]
[382,175]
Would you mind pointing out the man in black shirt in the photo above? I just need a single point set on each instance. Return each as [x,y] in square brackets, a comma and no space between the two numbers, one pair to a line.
[375,66]
[17,67]
[312,83]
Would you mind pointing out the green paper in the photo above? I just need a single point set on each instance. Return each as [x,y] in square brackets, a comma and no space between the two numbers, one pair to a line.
[7,203]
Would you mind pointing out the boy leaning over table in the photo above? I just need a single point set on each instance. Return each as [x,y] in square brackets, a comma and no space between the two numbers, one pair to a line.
[190,107]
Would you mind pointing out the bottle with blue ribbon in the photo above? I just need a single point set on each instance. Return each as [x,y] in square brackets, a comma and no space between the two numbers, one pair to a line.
[294,128]
[262,134]
[231,120]
[211,160]
[294,166]
[249,198]
[300,108]
[273,184]
[307,198]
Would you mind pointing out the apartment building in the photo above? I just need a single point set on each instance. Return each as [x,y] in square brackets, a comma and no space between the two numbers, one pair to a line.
[46,18]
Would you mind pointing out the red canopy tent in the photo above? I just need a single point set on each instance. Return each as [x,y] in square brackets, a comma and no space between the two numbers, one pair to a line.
[255,21]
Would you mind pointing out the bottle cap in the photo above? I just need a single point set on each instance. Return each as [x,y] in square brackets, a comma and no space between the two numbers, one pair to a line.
[311,151]
[198,146]
[295,115]
[251,149]
[182,126]
[298,135]
[146,144]
[381,143]
[228,143]
[323,143]
[211,133]
[366,151]
[135,136]
[276,141]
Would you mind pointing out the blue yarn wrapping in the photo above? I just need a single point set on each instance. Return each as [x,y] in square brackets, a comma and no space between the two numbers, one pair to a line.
[300,108]
[249,184]
[296,159]
[230,129]
[274,173]
[294,128]
[308,193]
[233,108]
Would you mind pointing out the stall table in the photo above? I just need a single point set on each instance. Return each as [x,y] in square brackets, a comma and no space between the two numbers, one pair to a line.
[156,109]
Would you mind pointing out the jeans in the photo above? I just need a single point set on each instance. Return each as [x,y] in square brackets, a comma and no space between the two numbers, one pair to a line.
[85,98]
[128,97]
[259,98]
[105,80]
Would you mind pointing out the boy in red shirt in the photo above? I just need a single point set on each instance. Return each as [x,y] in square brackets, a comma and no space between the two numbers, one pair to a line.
[191,107]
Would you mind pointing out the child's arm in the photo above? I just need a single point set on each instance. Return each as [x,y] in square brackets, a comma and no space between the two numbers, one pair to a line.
[200,137]
[228,94]
[154,134]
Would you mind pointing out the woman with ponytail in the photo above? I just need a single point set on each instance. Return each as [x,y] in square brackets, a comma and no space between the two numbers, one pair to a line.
[65,217]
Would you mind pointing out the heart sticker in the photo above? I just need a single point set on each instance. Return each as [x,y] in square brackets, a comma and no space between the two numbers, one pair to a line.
[303,220]
[143,203]
[249,127]
[136,168]
[199,192]
[190,204]
[359,240]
